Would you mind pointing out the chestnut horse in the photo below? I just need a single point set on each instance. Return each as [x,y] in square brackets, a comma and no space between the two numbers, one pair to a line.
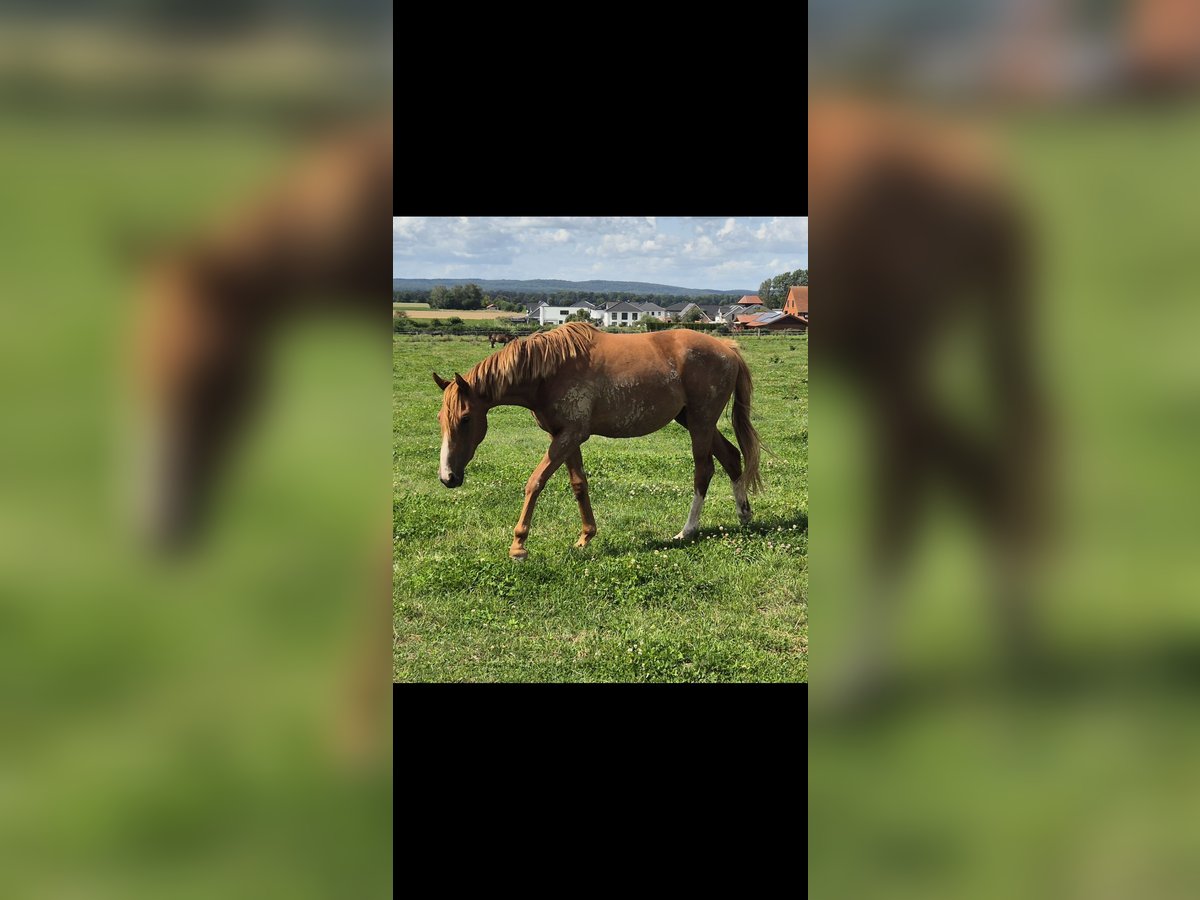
[579,381]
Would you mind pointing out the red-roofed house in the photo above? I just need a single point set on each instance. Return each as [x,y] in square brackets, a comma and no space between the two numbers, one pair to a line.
[750,300]
[797,300]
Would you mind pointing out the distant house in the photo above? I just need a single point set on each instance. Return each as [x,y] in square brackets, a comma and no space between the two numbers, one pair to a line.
[723,313]
[728,314]
[797,300]
[546,314]
[652,309]
[622,313]
[677,311]
[750,300]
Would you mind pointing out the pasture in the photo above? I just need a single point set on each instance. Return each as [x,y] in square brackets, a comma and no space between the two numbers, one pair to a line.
[634,605]
[120,663]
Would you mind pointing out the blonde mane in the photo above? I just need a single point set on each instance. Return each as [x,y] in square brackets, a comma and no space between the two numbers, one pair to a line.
[531,358]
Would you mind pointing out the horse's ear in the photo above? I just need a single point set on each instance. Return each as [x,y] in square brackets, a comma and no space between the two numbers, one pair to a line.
[462,383]
[442,385]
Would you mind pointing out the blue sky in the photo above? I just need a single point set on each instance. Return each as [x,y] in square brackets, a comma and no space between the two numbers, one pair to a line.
[718,252]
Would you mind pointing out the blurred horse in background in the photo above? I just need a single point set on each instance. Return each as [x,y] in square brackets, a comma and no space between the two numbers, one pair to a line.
[211,304]
[916,229]
[316,240]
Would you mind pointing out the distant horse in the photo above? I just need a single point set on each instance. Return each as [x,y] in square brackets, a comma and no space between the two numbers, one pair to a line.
[500,337]
[579,381]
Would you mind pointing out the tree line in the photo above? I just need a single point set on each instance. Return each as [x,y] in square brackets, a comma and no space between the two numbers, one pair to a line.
[471,296]
[460,296]
[773,292]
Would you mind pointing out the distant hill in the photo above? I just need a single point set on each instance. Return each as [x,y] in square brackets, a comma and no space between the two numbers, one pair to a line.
[550,286]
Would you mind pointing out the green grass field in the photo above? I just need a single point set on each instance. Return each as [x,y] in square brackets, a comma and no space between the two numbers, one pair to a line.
[121,666]
[633,606]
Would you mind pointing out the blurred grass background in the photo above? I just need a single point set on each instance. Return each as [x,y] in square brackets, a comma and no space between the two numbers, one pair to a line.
[973,778]
[172,728]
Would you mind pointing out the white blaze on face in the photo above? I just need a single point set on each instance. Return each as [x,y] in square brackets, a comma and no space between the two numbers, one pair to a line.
[444,469]
[148,476]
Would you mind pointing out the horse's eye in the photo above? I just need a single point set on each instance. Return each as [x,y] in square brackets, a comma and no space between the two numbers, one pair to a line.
[466,420]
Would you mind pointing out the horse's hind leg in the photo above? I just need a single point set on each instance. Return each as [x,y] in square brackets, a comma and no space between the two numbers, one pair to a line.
[702,443]
[731,462]
[579,486]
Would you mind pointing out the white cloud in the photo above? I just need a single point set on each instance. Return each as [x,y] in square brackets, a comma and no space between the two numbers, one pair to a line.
[736,265]
[702,247]
[407,226]
[723,252]
[786,230]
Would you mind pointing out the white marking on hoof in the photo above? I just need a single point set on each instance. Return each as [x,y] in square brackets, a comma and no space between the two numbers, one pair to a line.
[693,520]
[743,504]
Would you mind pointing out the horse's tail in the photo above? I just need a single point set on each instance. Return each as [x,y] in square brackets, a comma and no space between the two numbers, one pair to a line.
[747,437]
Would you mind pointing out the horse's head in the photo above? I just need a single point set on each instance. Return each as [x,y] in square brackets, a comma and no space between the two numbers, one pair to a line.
[196,371]
[464,424]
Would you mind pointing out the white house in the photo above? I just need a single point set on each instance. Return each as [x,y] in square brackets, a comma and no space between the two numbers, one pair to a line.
[546,314]
[622,314]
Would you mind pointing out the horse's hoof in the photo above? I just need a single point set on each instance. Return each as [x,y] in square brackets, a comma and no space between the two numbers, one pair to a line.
[518,555]
[684,537]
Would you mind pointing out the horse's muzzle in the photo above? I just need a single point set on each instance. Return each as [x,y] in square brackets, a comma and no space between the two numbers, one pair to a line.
[453,481]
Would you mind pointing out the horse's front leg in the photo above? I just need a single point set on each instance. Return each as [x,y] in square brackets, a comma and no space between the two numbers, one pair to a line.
[560,448]
[579,486]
